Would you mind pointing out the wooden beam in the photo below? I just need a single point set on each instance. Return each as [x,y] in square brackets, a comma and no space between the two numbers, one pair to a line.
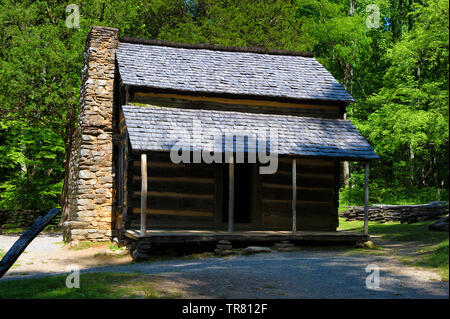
[294,196]
[366,199]
[234,101]
[231,195]
[121,174]
[143,194]
[174,212]
[25,239]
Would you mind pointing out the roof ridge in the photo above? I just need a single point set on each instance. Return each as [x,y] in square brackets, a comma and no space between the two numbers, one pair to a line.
[212,47]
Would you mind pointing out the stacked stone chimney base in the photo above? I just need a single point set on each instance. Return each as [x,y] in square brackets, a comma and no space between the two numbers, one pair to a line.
[92,168]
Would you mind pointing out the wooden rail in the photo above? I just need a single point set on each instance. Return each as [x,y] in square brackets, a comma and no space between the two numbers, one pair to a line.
[25,239]
[231,195]
[143,194]
[366,199]
[294,196]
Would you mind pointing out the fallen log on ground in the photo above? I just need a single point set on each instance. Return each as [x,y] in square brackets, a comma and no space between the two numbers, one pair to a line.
[25,239]
[440,225]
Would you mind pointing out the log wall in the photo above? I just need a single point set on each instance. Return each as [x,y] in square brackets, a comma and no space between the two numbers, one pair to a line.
[317,195]
[179,195]
[237,105]
[189,196]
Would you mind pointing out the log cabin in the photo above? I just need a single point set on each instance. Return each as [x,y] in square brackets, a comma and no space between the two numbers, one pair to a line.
[179,142]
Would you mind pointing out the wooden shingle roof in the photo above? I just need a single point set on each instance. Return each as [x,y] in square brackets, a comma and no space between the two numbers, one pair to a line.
[205,70]
[152,128]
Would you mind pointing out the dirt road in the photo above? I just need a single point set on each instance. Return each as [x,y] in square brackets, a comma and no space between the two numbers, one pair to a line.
[304,273]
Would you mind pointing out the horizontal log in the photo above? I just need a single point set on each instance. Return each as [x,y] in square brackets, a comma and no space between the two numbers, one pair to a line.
[183,222]
[305,181]
[305,221]
[170,164]
[176,223]
[286,168]
[325,195]
[160,202]
[163,213]
[195,180]
[284,207]
[225,104]
[202,172]
[289,187]
[307,174]
[308,162]
[177,187]
[174,194]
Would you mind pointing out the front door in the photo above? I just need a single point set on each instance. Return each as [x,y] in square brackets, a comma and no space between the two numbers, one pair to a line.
[243,183]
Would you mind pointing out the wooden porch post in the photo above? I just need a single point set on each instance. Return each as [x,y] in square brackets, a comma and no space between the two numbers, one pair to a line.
[294,196]
[366,198]
[143,194]
[231,195]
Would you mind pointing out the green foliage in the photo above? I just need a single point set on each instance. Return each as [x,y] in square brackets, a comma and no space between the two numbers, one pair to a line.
[407,120]
[354,196]
[40,63]
[33,172]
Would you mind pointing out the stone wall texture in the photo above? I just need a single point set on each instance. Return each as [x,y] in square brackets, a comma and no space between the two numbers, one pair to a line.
[92,167]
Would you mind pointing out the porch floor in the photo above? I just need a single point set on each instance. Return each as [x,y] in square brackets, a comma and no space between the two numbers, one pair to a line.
[185,236]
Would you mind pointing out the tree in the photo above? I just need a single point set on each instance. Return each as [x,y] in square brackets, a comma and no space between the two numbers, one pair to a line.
[40,63]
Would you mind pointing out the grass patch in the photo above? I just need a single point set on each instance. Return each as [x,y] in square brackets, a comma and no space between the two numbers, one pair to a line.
[435,253]
[435,256]
[93,286]
[2,253]
[396,231]
[88,244]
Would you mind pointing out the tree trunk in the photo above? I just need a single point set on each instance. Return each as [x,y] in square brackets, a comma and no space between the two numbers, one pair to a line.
[346,168]
[411,157]
[346,172]
[68,142]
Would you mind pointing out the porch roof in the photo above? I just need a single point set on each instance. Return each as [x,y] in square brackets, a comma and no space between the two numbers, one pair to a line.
[152,128]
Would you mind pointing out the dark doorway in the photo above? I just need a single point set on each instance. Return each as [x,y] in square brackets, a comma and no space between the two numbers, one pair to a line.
[243,173]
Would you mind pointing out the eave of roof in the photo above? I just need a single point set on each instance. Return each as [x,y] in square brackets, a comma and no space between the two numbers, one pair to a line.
[153,128]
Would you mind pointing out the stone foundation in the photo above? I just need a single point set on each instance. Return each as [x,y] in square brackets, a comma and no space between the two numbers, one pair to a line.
[92,167]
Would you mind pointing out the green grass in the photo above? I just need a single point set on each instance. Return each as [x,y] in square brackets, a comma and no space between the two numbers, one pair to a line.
[93,286]
[89,244]
[434,251]
[2,253]
[396,231]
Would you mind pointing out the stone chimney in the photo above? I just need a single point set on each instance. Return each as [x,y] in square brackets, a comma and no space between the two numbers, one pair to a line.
[92,165]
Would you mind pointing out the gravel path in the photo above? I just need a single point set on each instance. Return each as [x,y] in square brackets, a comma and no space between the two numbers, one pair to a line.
[301,274]
[41,244]
[298,274]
